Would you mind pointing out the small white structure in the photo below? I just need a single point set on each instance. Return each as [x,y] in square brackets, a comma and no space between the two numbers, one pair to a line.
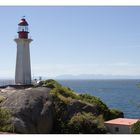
[120,125]
[23,68]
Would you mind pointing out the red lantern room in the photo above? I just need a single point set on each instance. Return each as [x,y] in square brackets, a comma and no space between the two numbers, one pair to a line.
[23,29]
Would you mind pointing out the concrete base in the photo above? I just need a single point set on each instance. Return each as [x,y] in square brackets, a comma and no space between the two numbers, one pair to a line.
[17,86]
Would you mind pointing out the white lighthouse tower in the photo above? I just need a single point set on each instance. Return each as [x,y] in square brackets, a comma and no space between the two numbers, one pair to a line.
[23,67]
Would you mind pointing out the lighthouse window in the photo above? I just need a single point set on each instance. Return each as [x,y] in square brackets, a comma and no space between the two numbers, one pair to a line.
[22,28]
[19,28]
[26,28]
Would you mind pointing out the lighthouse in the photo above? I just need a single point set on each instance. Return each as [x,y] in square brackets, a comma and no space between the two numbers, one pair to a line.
[23,66]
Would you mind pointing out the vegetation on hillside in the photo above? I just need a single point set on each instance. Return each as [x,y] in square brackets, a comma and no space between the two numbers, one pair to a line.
[77,123]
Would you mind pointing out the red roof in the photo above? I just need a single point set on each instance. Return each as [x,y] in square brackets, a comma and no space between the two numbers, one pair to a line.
[122,121]
[23,22]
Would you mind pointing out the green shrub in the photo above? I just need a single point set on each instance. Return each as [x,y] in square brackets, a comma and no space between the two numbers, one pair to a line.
[112,114]
[135,129]
[5,120]
[85,123]
[116,114]
[51,84]
[64,91]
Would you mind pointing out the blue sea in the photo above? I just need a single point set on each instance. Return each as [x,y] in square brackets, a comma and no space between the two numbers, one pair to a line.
[120,94]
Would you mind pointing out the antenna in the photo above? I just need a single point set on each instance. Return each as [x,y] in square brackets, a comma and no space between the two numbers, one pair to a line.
[23,16]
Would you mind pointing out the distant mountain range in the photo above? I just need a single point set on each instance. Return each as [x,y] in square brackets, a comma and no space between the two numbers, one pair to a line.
[94,76]
[81,76]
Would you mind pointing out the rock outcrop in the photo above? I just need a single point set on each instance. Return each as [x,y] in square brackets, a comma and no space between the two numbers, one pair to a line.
[76,106]
[32,109]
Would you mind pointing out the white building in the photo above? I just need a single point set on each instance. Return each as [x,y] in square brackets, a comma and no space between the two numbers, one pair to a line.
[120,125]
[23,67]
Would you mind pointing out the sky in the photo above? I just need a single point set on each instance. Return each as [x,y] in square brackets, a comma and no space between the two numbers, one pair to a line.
[73,40]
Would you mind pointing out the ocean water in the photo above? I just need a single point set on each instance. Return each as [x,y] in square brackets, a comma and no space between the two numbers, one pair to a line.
[120,94]
[6,82]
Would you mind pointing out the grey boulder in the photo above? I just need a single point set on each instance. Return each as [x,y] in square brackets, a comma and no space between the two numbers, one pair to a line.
[32,109]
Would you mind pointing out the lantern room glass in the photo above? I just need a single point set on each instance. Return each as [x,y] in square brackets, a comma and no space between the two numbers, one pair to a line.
[22,28]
